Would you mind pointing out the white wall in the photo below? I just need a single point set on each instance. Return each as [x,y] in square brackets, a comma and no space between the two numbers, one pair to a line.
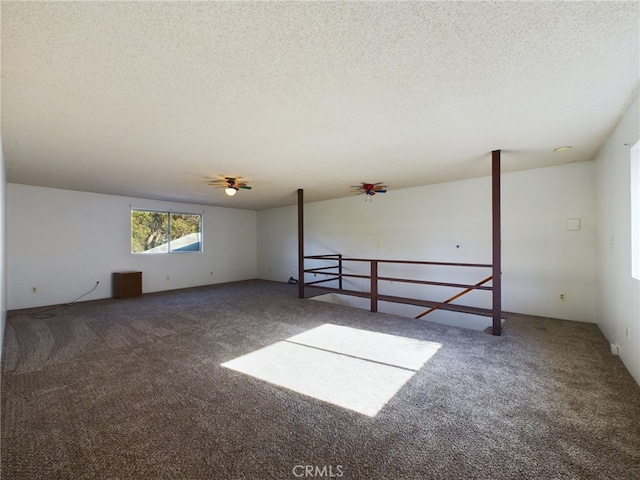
[452,222]
[62,242]
[618,292]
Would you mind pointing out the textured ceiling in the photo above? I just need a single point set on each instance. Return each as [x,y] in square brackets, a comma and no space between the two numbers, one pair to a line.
[148,99]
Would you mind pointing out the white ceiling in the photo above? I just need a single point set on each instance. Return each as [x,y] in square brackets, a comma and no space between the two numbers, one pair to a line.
[149,99]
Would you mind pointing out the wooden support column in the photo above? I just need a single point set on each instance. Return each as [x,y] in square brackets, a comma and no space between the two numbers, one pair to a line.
[300,243]
[497,263]
[374,286]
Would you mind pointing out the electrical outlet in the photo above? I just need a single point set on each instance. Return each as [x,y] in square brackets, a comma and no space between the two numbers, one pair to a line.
[626,333]
[562,297]
[34,289]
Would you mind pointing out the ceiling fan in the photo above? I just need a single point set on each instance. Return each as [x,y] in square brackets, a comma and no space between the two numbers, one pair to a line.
[230,184]
[370,189]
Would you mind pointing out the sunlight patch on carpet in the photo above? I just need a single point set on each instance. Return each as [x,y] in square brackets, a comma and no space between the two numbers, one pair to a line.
[355,369]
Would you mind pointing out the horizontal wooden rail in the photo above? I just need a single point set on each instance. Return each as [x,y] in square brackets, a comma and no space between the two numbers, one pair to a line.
[345,275]
[395,279]
[319,269]
[315,282]
[400,262]
[399,280]
[429,282]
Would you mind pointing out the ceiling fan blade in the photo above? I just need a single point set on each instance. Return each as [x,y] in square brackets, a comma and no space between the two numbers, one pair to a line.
[245,187]
[380,191]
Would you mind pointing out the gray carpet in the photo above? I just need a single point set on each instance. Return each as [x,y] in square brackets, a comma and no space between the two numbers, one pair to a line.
[117,389]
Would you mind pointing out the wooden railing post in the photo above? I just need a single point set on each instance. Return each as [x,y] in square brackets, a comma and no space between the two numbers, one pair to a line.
[300,243]
[496,264]
[340,271]
[374,286]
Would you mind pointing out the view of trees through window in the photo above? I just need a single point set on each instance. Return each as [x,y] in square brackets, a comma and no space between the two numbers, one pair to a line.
[165,232]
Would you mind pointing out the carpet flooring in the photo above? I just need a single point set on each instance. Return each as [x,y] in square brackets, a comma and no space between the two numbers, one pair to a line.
[136,389]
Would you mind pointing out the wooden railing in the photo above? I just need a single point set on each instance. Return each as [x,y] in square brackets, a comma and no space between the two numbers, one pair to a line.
[496,269]
[335,273]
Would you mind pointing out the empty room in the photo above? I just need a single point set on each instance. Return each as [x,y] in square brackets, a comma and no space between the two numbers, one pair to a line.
[282,240]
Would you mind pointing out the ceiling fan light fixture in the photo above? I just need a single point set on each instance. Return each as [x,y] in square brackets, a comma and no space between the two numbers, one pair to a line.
[370,189]
[231,185]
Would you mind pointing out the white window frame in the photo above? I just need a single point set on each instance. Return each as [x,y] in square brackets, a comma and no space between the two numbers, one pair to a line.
[168,249]
[635,210]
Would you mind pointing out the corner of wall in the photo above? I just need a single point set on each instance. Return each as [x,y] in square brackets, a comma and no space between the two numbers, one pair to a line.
[3,263]
[618,294]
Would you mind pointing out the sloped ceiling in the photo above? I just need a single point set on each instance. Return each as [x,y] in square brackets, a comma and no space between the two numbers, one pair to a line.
[150,99]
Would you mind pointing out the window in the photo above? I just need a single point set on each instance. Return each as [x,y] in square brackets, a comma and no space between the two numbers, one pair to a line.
[635,211]
[165,232]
